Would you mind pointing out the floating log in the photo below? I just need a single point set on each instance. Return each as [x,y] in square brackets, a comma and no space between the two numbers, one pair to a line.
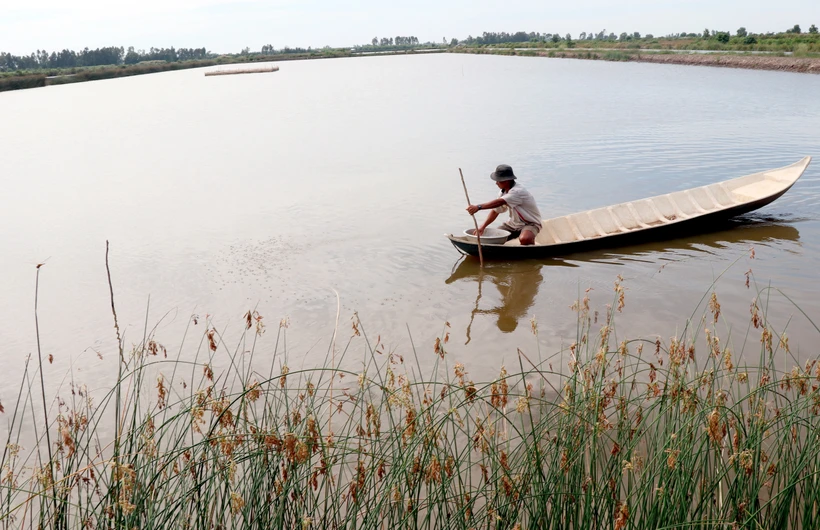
[253,70]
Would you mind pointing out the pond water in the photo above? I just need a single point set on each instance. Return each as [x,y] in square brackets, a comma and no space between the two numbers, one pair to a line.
[277,191]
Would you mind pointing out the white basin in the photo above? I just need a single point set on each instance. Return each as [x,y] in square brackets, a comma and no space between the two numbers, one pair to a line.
[491,236]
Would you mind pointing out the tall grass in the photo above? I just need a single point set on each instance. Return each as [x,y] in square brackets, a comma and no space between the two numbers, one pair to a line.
[608,433]
[22,81]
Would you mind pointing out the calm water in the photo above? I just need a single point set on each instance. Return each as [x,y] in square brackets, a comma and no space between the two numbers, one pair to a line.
[271,191]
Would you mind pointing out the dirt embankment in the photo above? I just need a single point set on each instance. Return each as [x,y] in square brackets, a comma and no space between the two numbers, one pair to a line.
[753,62]
[810,65]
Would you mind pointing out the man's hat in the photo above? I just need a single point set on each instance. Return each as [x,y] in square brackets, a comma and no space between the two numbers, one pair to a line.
[502,173]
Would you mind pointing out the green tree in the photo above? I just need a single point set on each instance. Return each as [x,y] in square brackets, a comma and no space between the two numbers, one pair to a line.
[131,57]
[722,36]
[813,29]
[795,29]
[741,32]
[454,42]
[556,38]
[375,41]
[636,35]
[706,33]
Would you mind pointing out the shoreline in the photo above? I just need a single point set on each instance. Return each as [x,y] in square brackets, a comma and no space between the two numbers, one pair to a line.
[95,73]
[807,65]
[723,59]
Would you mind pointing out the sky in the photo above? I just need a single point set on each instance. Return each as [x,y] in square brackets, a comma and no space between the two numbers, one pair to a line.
[230,25]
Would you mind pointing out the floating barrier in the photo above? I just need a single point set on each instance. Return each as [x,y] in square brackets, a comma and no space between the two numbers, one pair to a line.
[231,71]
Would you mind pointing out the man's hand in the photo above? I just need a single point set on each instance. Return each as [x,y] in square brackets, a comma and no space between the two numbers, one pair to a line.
[472,209]
[481,230]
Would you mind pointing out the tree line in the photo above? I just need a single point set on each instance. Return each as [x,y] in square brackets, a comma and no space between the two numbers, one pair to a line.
[112,55]
[523,36]
[107,56]
[395,41]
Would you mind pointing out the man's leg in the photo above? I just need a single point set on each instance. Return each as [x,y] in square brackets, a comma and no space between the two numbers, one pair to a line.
[527,236]
[513,232]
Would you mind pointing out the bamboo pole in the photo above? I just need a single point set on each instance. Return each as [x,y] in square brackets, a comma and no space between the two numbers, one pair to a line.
[477,235]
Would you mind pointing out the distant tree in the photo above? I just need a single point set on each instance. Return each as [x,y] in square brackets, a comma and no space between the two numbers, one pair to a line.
[612,36]
[556,38]
[750,39]
[636,35]
[813,29]
[706,34]
[722,36]
[267,49]
[131,57]
[454,42]
[568,37]
[246,50]
[582,36]
[795,29]
[650,36]
[375,41]
[741,32]
[623,36]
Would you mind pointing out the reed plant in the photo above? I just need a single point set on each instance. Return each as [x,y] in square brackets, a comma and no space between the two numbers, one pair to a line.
[607,433]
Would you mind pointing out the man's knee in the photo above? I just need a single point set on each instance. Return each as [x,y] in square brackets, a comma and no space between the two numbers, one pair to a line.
[527,238]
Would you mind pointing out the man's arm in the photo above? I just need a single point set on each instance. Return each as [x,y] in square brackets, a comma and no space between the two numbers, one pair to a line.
[495,203]
[487,222]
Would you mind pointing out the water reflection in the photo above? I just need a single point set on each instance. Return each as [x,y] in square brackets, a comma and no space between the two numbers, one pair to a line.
[753,229]
[517,282]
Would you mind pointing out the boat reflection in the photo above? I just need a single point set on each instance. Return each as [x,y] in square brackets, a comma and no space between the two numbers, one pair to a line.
[750,228]
[517,282]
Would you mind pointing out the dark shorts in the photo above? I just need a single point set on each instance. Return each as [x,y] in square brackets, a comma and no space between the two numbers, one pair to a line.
[514,233]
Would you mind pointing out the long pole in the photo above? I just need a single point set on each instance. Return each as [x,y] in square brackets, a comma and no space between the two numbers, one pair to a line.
[477,235]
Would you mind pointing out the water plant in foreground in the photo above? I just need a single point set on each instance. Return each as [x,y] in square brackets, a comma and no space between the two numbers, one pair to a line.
[616,434]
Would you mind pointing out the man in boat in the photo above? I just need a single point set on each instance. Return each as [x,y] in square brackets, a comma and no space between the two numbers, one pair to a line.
[525,218]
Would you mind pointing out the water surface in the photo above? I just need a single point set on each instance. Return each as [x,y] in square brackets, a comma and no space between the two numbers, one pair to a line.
[277,191]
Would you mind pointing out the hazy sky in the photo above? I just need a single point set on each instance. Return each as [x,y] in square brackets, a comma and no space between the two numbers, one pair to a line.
[229,25]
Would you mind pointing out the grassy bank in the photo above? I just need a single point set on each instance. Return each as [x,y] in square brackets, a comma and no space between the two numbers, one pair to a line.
[609,433]
[39,78]
[745,61]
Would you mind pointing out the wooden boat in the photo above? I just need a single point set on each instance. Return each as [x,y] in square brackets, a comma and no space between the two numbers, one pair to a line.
[680,212]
